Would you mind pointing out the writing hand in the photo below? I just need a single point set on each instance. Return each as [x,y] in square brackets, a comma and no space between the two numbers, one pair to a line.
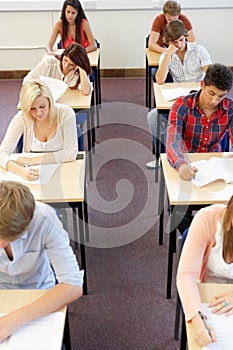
[187,172]
[31,174]
[202,335]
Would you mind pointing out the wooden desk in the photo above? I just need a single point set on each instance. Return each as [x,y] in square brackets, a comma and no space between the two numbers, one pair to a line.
[161,104]
[164,106]
[13,299]
[152,61]
[207,292]
[184,193]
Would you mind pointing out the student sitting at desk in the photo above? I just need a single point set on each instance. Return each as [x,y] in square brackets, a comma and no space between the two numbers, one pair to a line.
[72,27]
[35,252]
[186,62]
[207,256]
[198,123]
[73,67]
[47,127]
[171,11]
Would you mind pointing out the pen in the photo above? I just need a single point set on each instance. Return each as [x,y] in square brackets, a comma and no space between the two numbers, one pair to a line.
[204,321]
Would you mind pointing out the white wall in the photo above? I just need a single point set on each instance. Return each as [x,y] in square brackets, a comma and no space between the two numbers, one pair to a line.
[121,34]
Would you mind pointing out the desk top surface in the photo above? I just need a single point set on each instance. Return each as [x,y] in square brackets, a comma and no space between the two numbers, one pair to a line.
[163,104]
[66,185]
[75,99]
[14,299]
[207,292]
[152,57]
[181,192]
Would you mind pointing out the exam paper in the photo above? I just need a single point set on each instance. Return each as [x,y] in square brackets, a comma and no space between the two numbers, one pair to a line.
[39,334]
[46,172]
[174,93]
[57,87]
[222,326]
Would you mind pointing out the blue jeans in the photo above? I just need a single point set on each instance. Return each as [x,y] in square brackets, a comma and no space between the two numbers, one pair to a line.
[152,117]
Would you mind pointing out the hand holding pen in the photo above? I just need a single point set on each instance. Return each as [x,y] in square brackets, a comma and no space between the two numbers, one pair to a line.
[204,334]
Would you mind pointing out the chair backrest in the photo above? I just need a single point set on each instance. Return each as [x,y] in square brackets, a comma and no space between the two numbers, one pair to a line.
[225,143]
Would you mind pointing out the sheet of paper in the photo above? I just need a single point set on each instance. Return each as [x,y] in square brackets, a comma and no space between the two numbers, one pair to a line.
[222,326]
[40,334]
[174,93]
[57,87]
[206,174]
[46,171]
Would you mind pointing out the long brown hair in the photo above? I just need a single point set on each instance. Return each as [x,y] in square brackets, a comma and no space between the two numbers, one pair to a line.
[78,21]
[228,230]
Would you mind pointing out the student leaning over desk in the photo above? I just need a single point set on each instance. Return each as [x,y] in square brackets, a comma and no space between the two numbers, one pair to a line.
[72,66]
[171,11]
[207,256]
[73,26]
[47,127]
[184,61]
[34,246]
[198,123]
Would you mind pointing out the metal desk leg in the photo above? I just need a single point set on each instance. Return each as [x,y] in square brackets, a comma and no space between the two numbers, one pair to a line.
[157,153]
[87,236]
[82,245]
[161,206]
[147,83]
[149,87]
[171,250]
[92,122]
[66,337]
[89,144]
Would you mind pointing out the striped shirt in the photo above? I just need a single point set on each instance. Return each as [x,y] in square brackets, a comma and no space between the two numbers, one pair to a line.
[189,130]
[196,57]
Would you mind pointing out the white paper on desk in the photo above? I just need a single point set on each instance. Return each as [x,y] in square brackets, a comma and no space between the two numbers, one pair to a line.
[174,93]
[46,171]
[222,326]
[39,334]
[57,87]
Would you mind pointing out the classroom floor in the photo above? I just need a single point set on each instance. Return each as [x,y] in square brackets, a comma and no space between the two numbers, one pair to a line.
[125,308]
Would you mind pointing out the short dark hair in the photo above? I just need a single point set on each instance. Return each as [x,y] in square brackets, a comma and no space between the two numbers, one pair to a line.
[219,76]
[174,30]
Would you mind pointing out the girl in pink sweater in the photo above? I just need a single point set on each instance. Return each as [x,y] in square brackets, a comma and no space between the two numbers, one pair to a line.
[207,256]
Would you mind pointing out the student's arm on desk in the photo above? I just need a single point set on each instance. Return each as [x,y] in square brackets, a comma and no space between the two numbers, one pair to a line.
[153,46]
[201,334]
[57,297]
